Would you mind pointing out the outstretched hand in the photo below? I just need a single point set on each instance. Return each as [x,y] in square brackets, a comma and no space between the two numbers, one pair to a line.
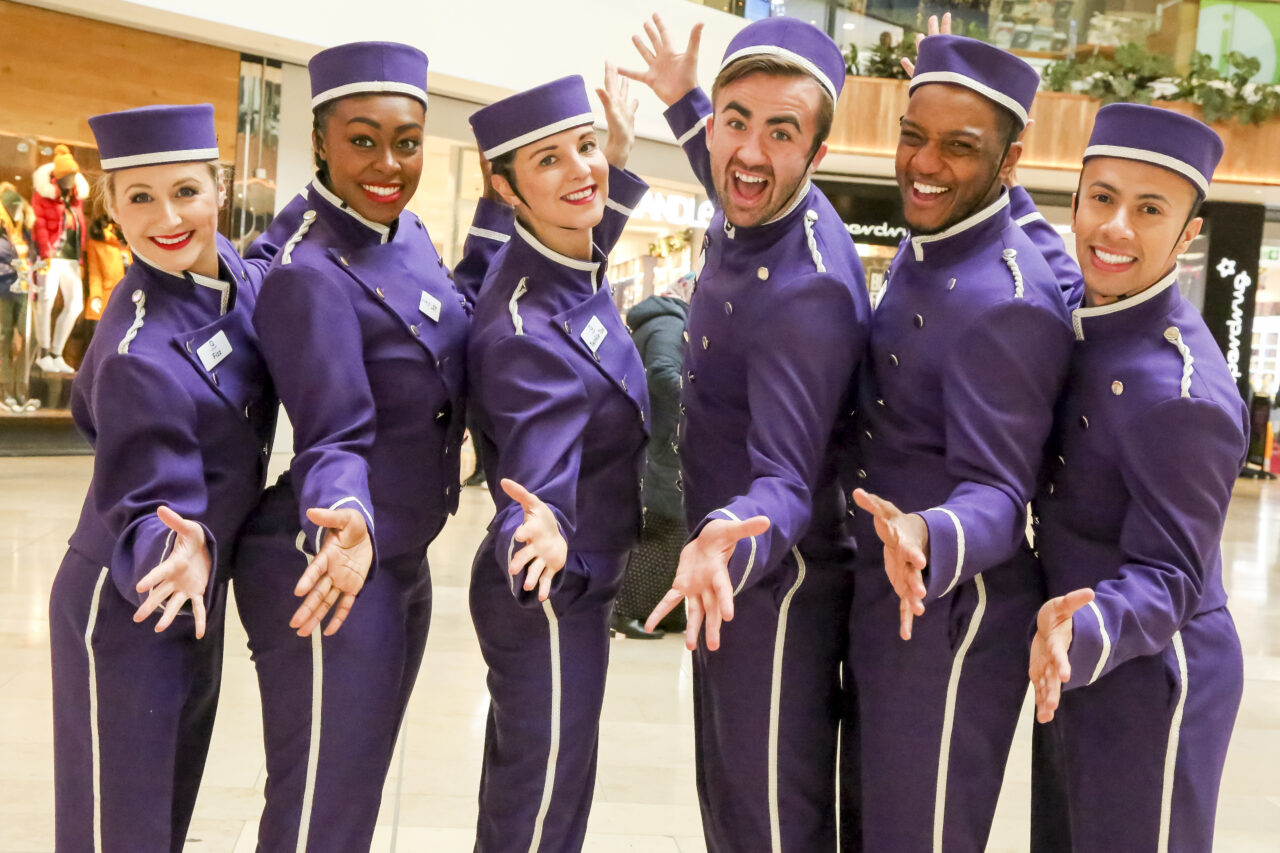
[1050,666]
[180,577]
[702,578]
[669,72]
[905,537]
[546,552]
[337,573]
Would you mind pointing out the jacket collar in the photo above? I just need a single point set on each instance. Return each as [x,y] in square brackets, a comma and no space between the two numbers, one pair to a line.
[1127,315]
[585,271]
[346,221]
[970,233]
[224,285]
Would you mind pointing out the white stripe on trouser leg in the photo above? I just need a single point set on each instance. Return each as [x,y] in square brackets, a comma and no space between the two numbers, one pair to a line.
[317,700]
[313,752]
[775,705]
[1171,753]
[95,768]
[553,752]
[949,714]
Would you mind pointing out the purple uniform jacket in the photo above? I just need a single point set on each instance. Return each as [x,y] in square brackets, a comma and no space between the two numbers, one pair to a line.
[176,402]
[563,402]
[364,334]
[1151,437]
[1049,242]
[969,351]
[777,327]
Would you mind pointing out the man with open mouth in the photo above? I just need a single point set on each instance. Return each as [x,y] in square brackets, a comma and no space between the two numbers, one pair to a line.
[777,328]
[969,349]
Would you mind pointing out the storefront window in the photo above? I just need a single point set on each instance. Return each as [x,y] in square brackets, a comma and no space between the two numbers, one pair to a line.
[253,194]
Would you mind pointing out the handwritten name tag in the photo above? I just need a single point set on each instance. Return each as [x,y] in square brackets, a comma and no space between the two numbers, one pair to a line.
[594,334]
[430,306]
[214,350]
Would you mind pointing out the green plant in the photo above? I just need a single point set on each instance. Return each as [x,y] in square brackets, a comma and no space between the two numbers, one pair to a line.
[886,59]
[1138,76]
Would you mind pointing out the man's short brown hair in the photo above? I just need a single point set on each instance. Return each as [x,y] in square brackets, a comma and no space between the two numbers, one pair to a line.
[766,64]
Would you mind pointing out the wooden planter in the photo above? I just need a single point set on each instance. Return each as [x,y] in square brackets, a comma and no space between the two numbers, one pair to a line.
[866,122]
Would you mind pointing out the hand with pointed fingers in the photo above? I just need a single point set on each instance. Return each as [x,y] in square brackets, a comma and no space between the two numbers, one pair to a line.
[702,578]
[934,29]
[545,551]
[337,573]
[1050,666]
[486,178]
[670,73]
[180,577]
[905,537]
[620,115]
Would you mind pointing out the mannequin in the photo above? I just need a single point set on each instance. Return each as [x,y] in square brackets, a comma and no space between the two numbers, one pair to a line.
[58,200]
[16,221]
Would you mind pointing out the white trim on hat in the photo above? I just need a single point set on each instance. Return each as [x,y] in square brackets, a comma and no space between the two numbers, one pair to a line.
[539,133]
[981,88]
[183,155]
[1155,158]
[368,87]
[774,50]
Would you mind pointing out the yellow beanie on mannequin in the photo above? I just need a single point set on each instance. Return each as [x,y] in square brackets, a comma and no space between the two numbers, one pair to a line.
[63,163]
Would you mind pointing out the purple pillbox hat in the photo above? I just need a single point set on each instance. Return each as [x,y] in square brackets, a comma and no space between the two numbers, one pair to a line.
[800,42]
[531,115]
[1160,137]
[368,68]
[148,136]
[991,72]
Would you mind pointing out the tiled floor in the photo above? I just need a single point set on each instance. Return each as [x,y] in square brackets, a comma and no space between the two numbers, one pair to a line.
[645,795]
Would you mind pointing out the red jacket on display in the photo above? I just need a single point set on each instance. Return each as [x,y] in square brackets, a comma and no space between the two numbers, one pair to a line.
[51,213]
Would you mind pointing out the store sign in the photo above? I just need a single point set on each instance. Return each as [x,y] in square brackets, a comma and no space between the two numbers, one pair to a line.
[1235,244]
[881,232]
[871,213]
[1240,283]
[675,209]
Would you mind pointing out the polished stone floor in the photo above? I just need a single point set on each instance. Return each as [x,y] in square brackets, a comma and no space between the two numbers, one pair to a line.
[644,798]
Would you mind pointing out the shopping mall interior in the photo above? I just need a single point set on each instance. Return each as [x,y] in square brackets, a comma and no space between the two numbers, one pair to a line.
[66,60]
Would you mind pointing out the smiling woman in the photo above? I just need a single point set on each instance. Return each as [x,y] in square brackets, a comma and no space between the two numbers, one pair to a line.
[364,334]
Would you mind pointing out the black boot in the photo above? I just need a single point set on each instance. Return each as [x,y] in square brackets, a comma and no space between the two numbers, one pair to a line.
[632,629]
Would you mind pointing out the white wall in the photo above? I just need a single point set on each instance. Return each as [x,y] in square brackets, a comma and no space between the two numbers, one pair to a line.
[479,49]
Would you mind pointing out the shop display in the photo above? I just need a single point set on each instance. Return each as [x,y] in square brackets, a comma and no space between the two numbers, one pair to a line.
[60,191]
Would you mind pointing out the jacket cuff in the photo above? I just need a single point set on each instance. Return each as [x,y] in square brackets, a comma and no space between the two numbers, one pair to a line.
[688,115]
[626,189]
[1021,208]
[946,552]
[1090,646]
[492,220]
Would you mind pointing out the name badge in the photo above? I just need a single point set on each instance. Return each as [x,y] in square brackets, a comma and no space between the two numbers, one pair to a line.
[214,350]
[430,306]
[593,335]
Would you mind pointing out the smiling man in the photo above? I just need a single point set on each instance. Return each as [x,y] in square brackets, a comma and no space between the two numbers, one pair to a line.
[1136,661]
[777,328]
[969,349]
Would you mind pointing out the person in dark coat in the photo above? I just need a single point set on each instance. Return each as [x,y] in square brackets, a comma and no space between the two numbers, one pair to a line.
[657,327]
